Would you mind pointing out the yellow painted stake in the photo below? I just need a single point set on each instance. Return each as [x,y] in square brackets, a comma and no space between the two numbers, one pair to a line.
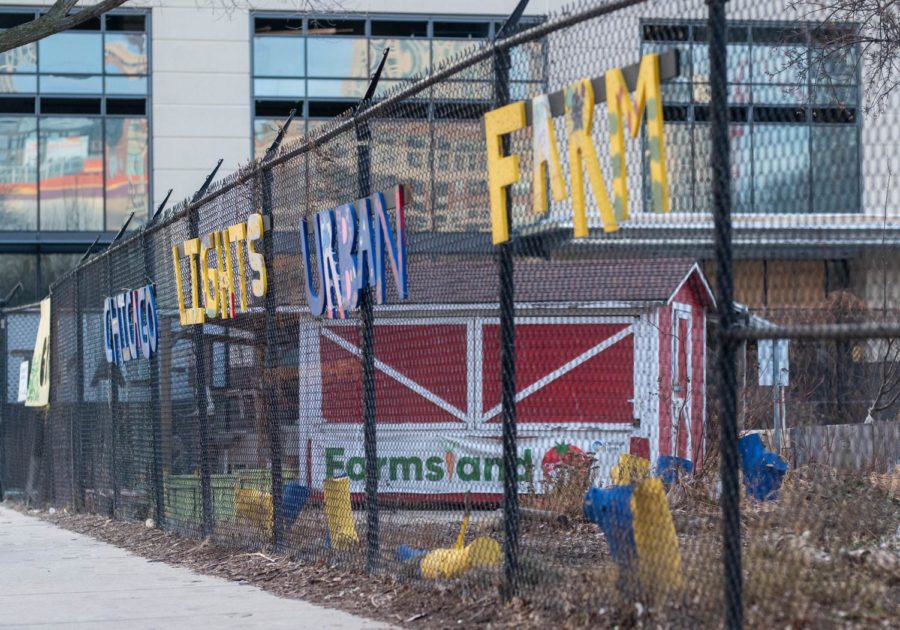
[339,513]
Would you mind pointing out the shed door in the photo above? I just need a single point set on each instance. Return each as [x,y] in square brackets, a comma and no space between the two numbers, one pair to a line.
[681,381]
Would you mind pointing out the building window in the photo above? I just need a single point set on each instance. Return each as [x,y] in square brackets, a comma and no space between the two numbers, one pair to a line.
[74,131]
[793,114]
[322,66]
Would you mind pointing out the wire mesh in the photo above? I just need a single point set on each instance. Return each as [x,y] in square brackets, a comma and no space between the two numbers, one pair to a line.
[374,439]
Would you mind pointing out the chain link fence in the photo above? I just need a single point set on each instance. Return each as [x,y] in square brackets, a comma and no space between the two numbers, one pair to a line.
[391,347]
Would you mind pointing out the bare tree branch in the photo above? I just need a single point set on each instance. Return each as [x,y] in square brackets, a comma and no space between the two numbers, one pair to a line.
[57,19]
[844,26]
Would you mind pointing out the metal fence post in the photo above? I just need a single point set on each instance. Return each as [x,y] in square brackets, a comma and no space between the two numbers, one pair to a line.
[505,266]
[4,410]
[113,407]
[155,409]
[367,344]
[77,424]
[274,427]
[726,367]
[367,318]
[201,404]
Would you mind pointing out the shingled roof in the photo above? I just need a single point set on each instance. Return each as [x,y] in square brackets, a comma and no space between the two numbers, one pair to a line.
[453,280]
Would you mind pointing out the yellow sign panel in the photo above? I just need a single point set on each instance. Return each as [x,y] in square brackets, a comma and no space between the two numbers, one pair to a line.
[224,287]
[579,101]
[39,379]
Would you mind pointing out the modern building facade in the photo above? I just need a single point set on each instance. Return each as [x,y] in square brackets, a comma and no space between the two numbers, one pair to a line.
[104,120]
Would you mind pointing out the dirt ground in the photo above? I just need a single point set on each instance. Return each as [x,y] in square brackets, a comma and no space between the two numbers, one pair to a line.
[826,554]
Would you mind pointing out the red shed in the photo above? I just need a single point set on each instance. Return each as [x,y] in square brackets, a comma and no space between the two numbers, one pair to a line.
[617,366]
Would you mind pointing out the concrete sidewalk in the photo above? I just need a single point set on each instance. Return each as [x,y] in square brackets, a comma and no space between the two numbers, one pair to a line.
[51,577]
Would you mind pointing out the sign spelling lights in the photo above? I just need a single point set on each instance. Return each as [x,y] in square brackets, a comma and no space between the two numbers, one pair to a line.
[131,325]
[221,297]
[576,103]
[354,244]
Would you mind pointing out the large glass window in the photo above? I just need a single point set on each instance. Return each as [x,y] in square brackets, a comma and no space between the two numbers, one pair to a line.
[322,66]
[73,126]
[794,127]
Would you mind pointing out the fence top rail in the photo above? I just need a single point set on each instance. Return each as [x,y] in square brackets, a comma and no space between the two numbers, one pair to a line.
[33,307]
[567,16]
[852,330]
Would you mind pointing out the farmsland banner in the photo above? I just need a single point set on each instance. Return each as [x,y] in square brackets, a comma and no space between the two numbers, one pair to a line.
[419,461]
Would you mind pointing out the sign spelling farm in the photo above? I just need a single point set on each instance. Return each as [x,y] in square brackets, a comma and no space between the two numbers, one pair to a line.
[576,103]
[354,244]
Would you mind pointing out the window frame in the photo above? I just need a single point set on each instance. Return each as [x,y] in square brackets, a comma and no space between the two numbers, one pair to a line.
[31,240]
[303,103]
[807,104]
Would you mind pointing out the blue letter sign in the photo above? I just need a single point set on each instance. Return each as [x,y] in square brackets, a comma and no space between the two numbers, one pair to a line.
[354,244]
[130,325]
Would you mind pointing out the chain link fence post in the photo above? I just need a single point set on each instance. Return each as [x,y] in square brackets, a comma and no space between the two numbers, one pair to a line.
[4,411]
[78,463]
[505,268]
[113,407]
[367,348]
[155,408]
[200,402]
[726,367]
[273,425]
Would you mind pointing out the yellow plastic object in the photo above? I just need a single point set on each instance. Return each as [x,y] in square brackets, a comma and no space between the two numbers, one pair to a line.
[483,552]
[461,537]
[630,469]
[658,558]
[339,514]
[254,507]
[447,563]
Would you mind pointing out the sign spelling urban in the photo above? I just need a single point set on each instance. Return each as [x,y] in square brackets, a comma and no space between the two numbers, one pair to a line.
[576,103]
[224,286]
[131,325]
[354,244]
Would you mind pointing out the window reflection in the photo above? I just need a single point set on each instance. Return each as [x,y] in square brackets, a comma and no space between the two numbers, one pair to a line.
[71,171]
[55,84]
[22,59]
[126,171]
[781,168]
[778,64]
[18,173]
[278,56]
[266,129]
[443,50]
[79,53]
[18,83]
[334,88]
[740,140]
[54,266]
[279,87]
[407,58]
[835,168]
[126,85]
[337,57]
[125,53]
[19,268]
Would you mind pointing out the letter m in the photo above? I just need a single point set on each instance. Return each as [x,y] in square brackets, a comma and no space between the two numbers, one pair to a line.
[623,111]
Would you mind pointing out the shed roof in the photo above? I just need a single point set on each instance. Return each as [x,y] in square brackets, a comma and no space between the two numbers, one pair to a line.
[538,280]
